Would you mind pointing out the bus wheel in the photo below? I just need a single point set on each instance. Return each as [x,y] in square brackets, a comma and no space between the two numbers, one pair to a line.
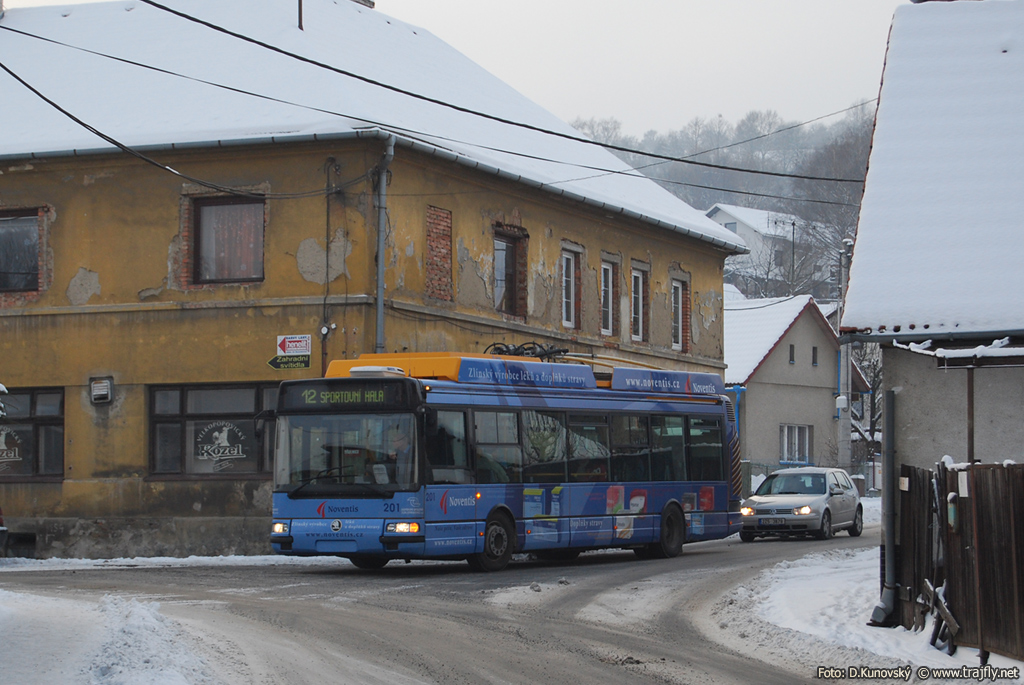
[673,529]
[499,543]
[369,562]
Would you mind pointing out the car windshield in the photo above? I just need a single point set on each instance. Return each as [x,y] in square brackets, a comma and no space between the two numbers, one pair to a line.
[346,453]
[793,484]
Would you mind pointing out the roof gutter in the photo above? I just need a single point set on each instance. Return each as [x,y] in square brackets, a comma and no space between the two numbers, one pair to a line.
[860,336]
[733,248]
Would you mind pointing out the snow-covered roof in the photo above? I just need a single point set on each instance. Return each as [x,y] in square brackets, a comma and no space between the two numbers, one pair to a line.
[762,221]
[940,241]
[150,109]
[731,293]
[752,330]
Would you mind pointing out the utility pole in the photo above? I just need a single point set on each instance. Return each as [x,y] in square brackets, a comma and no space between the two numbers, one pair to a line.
[845,362]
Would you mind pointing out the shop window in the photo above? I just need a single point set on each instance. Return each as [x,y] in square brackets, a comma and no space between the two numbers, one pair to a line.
[32,434]
[206,431]
[228,236]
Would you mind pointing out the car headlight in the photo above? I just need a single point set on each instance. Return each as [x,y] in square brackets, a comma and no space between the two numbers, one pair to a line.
[747,511]
[803,511]
[279,528]
[404,527]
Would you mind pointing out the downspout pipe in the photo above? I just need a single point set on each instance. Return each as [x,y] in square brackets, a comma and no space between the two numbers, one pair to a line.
[883,612]
[382,228]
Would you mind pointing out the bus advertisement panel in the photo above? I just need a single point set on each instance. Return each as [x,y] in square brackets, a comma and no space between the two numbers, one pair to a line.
[476,458]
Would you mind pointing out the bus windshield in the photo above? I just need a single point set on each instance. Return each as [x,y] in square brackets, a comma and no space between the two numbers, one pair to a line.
[346,454]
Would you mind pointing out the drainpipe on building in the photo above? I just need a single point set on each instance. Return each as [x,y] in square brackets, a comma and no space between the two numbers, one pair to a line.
[382,227]
[883,612]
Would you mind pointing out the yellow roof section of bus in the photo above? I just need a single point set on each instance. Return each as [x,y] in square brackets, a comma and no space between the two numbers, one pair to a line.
[439,365]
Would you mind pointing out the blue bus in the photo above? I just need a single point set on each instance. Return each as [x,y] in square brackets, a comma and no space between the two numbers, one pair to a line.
[478,457]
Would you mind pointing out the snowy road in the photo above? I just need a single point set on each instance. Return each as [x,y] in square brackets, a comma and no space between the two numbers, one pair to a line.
[717,614]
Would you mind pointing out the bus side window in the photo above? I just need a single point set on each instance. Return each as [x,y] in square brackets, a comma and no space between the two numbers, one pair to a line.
[630,455]
[668,453]
[446,450]
[544,446]
[588,448]
[706,454]
[499,459]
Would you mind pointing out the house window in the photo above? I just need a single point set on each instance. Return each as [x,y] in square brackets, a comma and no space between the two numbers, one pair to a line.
[607,298]
[19,251]
[32,433]
[795,443]
[814,356]
[228,240]
[510,250]
[680,315]
[209,430]
[570,289]
[638,306]
[792,354]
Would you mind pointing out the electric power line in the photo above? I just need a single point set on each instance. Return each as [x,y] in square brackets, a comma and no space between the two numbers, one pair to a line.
[466,110]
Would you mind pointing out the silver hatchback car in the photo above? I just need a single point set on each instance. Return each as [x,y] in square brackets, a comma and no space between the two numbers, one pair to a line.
[803,501]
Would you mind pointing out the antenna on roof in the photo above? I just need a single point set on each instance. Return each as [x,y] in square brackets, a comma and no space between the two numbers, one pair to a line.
[300,15]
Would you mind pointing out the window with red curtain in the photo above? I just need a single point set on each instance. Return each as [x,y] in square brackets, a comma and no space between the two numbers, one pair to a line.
[228,240]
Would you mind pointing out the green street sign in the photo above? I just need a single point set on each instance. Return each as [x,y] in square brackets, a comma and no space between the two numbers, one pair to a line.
[283,362]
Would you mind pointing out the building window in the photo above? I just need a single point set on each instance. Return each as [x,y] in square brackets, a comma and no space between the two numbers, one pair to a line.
[32,433]
[204,430]
[680,315]
[638,306]
[814,356]
[796,443]
[570,289]
[792,354]
[228,240]
[607,298]
[19,251]
[510,250]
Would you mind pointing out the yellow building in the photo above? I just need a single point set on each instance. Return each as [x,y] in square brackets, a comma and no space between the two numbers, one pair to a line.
[157,283]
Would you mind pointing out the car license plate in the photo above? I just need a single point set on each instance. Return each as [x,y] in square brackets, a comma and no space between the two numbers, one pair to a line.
[771,522]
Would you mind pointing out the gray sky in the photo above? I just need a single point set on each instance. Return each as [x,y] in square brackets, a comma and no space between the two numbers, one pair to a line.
[656,64]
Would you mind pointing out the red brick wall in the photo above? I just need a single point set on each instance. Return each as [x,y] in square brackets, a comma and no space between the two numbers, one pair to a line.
[439,254]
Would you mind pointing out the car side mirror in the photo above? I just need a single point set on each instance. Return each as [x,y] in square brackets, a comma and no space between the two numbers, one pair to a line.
[835,490]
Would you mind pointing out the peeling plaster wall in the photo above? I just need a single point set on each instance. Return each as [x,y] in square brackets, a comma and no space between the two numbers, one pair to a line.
[313,260]
[83,286]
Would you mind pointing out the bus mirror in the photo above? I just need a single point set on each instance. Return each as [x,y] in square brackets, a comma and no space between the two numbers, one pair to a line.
[430,421]
[261,421]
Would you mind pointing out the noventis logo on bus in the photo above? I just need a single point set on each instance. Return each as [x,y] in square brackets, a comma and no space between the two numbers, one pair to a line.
[447,501]
[323,509]
[681,382]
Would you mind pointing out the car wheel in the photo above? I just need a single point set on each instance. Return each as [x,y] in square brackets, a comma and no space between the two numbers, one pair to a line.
[746,537]
[825,532]
[499,543]
[858,524]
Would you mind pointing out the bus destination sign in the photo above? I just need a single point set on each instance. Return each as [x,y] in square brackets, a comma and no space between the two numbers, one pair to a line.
[333,396]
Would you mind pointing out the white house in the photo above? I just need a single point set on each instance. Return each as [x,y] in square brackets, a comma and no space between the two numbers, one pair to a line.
[783,371]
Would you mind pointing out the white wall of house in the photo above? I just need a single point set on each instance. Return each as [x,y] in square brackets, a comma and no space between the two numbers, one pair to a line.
[931,410]
[799,393]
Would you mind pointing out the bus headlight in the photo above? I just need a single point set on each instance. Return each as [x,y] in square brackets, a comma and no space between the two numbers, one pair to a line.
[747,511]
[279,528]
[404,527]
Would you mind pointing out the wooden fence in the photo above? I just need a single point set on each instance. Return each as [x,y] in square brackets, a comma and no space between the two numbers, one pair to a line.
[965,528]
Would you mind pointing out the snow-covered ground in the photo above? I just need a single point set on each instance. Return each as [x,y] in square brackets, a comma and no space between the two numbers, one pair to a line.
[813,610]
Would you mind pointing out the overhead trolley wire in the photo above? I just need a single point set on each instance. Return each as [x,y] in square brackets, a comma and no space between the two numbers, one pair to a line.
[477,113]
